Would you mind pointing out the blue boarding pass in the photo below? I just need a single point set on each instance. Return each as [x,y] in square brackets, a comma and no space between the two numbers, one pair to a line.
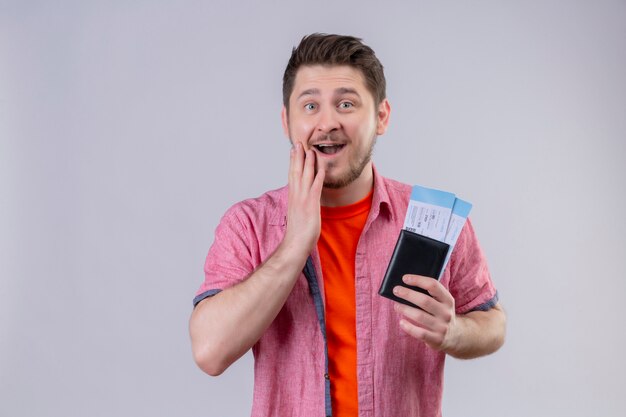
[436,214]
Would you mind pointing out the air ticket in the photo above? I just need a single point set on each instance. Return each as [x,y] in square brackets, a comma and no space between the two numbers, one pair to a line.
[429,212]
[436,214]
[460,211]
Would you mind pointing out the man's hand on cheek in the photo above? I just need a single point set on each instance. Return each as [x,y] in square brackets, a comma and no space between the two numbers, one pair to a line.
[436,323]
[305,190]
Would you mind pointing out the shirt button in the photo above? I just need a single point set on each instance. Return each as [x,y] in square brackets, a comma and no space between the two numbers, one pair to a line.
[326,376]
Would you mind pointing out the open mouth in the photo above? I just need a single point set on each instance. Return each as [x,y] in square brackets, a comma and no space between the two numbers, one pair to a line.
[328,149]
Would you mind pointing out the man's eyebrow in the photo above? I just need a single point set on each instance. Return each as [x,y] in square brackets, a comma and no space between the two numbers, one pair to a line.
[338,91]
[346,90]
[309,92]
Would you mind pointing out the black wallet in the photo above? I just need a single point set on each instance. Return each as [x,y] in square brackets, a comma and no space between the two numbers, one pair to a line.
[413,254]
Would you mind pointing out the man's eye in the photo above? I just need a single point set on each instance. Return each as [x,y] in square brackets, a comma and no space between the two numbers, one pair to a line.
[309,106]
[345,105]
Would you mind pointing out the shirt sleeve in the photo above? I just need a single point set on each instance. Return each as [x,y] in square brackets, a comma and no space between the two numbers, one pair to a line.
[470,280]
[229,260]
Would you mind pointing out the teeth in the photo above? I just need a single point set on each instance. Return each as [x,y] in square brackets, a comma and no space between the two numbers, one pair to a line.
[328,148]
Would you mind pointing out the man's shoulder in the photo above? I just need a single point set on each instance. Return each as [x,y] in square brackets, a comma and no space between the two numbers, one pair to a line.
[269,207]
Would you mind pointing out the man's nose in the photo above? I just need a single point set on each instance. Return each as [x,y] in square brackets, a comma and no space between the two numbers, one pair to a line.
[328,120]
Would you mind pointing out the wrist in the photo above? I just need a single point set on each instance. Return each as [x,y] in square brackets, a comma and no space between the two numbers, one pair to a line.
[452,342]
[297,246]
[290,255]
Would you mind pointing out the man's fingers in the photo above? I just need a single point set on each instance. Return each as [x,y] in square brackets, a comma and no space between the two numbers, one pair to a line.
[318,183]
[292,162]
[309,168]
[302,168]
[434,287]
[432,339]
[418,317]
[423,301]
[434,322]
[296,164]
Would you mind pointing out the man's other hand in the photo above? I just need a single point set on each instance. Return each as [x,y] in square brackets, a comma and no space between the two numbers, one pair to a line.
[435,324]
[464,336]
[305,190]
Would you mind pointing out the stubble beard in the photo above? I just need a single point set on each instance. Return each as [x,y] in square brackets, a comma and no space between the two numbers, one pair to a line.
[355,170]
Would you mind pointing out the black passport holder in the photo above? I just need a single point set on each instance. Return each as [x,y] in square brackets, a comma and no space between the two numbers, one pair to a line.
[414,254]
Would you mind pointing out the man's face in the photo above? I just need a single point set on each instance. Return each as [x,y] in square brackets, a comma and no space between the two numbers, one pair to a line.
[332,112]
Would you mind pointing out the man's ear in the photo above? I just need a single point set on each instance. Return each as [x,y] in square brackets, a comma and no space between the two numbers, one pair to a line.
[382,117]
[285,120]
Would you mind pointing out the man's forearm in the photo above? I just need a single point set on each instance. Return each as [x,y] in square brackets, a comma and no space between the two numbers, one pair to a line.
[478,333]
[227,325]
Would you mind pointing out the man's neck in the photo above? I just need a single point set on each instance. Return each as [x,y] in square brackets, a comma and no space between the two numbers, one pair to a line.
[351,193]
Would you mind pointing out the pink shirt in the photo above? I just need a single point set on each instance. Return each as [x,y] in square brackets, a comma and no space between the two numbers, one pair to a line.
[397,375]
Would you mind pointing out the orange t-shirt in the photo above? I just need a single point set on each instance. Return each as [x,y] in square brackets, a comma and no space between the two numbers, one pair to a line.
[341,230]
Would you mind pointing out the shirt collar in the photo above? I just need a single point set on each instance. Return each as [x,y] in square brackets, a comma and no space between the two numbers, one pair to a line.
[381,202]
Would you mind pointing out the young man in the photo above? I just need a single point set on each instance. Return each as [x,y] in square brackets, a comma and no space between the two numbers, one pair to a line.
[294,274]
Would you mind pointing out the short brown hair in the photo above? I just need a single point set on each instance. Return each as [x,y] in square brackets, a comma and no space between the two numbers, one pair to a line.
[324,49]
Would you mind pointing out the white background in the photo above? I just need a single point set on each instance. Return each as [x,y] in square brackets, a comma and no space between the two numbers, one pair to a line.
[128,128]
